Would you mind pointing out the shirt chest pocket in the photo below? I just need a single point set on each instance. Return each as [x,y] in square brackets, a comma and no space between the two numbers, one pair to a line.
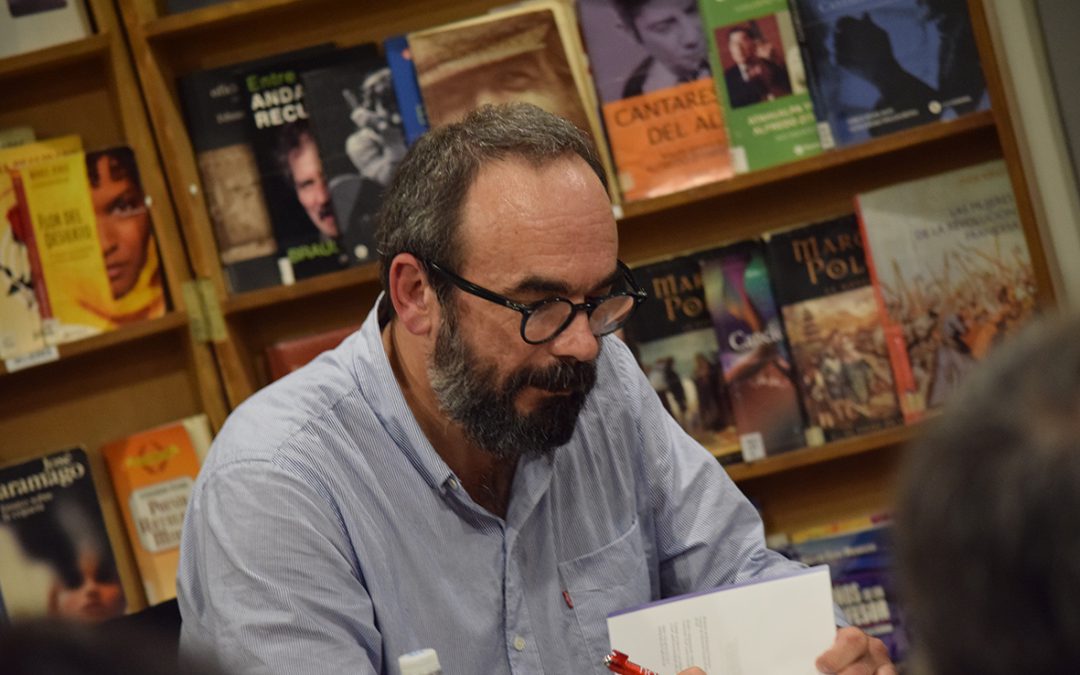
[609,579]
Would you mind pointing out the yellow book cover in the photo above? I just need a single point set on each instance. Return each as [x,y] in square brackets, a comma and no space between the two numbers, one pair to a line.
[77,301]
[152,475]
[20,318]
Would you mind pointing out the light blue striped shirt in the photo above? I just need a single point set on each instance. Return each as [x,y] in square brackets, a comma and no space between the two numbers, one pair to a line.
[326,535]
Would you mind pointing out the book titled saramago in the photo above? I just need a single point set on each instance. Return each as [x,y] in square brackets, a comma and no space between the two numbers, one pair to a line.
[878,66]
[673,340]
[760,79]
[833,326]
[952,275]
[152,475]
[55,555]
[753,349]
[651,70]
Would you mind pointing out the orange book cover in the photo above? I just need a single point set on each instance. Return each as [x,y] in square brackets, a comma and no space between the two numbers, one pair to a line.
[152,475]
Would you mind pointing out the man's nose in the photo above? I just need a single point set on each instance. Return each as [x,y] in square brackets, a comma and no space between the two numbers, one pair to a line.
[577,340]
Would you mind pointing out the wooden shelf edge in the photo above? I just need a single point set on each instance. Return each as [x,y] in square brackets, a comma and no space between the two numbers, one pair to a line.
[354,276]
[171,26]
[804,457]
[170,322]
[901,140]
[57,56]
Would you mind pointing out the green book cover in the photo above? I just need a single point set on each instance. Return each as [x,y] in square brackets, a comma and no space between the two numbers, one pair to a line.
[760,82]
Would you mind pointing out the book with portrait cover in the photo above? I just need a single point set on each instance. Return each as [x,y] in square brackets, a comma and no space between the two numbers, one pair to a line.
[21,329]
[663,123]
[406,88]
[152,474]
[285,356]
[759,75]
[879,66]
[860,560]
[358,130]
[215,113]
[524,52]
[753,349]
[55,556]
[672,338]
[952,275]
[26,25]
[290,168]
[833,327]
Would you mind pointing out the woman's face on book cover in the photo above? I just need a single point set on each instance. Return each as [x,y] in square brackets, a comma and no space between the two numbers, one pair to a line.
[123,226]
[93,596]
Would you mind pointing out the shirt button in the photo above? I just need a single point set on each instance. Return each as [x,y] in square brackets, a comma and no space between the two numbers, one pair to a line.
[519,643]
[452,483]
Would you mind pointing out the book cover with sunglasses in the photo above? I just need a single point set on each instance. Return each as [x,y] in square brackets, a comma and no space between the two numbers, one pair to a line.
[672,337]
[753,349]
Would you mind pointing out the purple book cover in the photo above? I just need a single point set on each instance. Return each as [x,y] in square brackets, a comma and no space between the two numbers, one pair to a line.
[753,351]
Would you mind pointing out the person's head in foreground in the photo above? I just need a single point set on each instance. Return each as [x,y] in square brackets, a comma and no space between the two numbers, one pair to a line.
[489,226]
[988,521]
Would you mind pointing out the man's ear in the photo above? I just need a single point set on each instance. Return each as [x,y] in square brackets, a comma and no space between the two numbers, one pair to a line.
[411,292]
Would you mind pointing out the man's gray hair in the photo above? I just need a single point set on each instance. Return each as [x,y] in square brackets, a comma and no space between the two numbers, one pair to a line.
[421,210]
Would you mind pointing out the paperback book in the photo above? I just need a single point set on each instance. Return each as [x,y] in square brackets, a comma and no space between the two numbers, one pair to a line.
[21,329]
[650,67]
[879,66]
[952,276]
[26,25]
[55,557]
[406,88]
[833,327]
[285,356]
[672,337]
[360,138]
[753,350]
[152,475]
[760,78]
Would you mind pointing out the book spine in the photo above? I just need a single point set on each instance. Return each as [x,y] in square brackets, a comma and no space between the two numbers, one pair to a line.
[813,77]
[24,231]
[406,88]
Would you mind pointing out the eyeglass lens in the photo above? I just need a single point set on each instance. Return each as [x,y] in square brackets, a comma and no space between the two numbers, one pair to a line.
[551,318]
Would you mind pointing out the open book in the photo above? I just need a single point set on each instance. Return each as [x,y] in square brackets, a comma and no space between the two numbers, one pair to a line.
[777,626]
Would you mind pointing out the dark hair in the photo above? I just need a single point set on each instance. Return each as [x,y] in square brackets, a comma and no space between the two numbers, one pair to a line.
[289,139]
[750,28]
[121,165]
[421,210]
[988,517]
[628,11]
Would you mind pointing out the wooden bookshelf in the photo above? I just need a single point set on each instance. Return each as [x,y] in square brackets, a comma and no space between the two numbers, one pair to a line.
[826,482]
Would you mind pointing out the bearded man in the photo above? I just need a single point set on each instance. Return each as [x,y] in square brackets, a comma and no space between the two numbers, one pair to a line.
[477,469]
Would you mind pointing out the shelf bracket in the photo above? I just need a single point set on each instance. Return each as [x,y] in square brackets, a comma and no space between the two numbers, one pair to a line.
[205,319]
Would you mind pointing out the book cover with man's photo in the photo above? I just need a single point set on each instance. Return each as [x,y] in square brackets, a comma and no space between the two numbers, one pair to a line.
[215,110]
[879,66]
[673,340]
[952,276]
[759,75]
[753,349]
[21,330]
[295,186]
[833,326]
[152,474]
[527,52]
[56,560]
[360,138]
[651,70]
[26,25]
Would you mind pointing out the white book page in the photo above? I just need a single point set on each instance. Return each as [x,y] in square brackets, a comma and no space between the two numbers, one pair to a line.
[772,627]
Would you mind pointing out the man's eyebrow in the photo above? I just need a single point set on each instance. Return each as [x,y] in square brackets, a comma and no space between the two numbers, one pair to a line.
[538,284]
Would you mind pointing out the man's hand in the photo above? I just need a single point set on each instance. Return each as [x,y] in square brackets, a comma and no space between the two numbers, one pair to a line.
[855,653]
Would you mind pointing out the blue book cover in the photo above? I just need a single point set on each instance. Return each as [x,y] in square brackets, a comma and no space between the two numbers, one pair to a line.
[879,66]
[403,73]
[860,566]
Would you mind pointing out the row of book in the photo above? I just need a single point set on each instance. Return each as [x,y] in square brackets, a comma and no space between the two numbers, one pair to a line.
[56,558]
[78,255]
[294,150]
[840,327]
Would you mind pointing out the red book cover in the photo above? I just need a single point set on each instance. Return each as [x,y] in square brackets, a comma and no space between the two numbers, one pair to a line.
[289,355]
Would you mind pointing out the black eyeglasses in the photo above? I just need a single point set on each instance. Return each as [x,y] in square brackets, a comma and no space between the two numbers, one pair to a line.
[544,320]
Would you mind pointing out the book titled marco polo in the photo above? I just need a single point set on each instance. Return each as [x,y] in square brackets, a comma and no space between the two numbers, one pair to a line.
[55,556]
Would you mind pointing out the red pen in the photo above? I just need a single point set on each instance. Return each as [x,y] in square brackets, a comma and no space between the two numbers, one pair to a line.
[617,662]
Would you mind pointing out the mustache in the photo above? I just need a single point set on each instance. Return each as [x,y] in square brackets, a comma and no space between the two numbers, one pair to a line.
[575,376]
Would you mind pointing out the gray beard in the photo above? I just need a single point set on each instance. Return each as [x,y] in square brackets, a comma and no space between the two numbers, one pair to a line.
[470,393]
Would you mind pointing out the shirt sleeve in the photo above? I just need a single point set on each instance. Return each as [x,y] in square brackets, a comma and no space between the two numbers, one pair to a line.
[269,582]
